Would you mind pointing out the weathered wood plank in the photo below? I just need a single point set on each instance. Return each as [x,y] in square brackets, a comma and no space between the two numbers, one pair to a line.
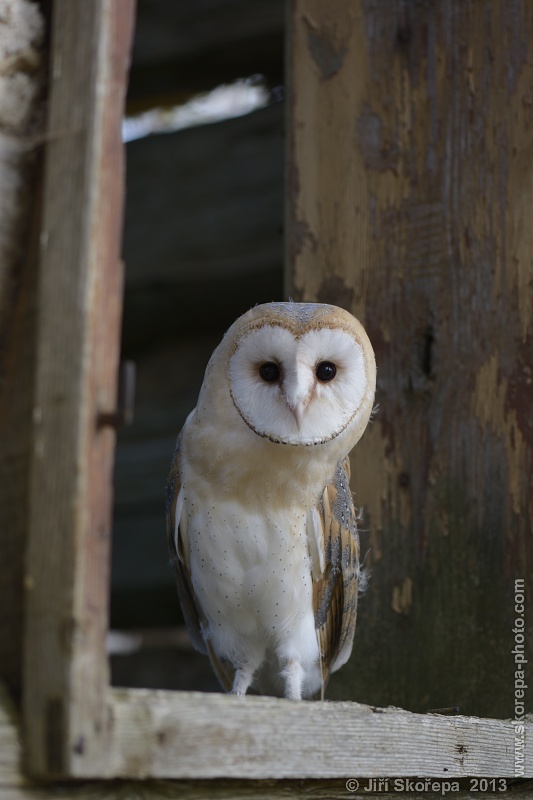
[21,85]
[256,790]
[411,138]
[79,309]
[196,735]
[15,786]
[10,744]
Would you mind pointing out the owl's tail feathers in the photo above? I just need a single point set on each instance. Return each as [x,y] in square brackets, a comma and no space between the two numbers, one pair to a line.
[224,671]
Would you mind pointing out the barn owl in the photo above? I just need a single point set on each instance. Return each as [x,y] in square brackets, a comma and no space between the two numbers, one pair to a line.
[261,523]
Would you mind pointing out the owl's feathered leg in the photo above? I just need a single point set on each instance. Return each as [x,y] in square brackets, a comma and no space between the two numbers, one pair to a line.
[293,673]
[243,678]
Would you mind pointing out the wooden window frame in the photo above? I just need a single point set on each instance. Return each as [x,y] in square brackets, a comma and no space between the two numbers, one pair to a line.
[76,724]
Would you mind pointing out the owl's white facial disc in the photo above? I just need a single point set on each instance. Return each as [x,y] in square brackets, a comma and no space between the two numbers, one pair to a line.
[294,400]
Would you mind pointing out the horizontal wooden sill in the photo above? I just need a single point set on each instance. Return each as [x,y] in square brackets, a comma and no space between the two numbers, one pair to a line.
[195,735]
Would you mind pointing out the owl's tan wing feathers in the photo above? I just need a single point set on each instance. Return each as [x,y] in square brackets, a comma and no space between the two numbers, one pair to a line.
[335,557]
[179,557]
[335,591]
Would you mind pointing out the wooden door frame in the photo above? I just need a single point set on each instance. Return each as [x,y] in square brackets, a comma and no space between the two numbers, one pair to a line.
[76,725]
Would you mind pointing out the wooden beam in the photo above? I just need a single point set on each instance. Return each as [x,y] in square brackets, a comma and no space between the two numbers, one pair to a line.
[79,312]
[22,77]
[197,735]
[15,786]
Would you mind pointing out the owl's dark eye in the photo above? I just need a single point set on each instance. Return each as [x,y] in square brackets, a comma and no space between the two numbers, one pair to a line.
[326,371]
[269,371]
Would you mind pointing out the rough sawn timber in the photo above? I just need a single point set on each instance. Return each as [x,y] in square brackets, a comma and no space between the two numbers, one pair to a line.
[153,721]
[410,204]
[197,735]
[79,297]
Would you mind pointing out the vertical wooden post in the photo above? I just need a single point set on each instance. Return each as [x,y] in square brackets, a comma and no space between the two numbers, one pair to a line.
[79,312]
[22,77]
[410,203]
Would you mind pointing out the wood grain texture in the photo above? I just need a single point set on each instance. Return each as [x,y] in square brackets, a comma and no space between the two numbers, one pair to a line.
[14,785]
[410,199]
[196,735]
[22,77]
[79,309]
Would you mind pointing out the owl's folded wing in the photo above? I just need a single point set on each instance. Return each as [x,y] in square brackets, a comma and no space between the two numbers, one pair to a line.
[179,553]
[334,551]
[178,546]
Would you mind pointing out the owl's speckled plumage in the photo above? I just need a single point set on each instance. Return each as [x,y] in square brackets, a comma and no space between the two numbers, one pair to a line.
[261,523]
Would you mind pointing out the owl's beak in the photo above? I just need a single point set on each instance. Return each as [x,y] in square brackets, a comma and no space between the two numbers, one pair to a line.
[298,412]
[297,406]
[297,394]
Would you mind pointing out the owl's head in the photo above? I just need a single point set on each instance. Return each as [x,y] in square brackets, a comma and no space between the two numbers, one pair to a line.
[301,373]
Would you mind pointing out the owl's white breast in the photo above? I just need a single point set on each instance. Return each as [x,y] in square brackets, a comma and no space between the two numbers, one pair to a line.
[251,575]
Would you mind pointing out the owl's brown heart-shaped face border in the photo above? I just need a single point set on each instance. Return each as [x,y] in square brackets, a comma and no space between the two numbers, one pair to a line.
[298,388]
